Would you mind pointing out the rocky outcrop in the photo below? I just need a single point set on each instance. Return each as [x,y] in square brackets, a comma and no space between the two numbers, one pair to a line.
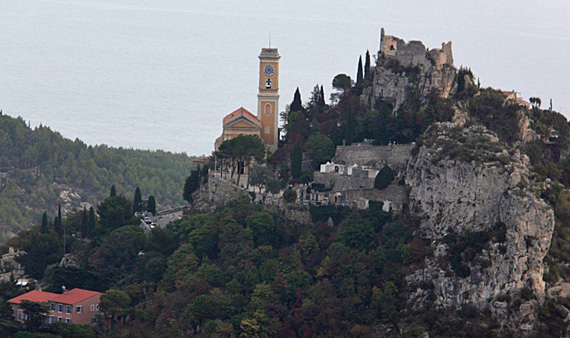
[403,66]
[464,182]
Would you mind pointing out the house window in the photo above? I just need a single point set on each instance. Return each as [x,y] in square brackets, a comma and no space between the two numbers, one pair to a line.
[20,314]
[97,307]
[51,319]
[59,319]
[79,309]
[68,320]
[68,309]
[92,307]
[52,306]
[60,308]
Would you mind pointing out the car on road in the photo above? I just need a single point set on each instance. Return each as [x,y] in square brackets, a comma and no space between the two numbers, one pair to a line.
[147,220]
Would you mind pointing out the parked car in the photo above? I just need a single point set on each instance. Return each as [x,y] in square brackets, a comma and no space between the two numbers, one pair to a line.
[147,220]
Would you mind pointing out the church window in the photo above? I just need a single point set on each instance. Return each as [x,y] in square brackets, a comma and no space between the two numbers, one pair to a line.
[267,130]
[267,109]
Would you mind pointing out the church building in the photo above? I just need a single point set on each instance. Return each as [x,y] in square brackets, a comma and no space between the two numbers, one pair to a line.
[265,124]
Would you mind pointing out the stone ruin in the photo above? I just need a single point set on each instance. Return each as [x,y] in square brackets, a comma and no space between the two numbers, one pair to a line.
[414,53]
[402,66]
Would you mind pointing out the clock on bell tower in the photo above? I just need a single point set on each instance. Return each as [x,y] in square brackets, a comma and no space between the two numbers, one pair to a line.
[268,96]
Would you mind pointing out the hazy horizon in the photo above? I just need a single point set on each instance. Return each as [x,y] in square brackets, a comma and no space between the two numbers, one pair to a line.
[161,75]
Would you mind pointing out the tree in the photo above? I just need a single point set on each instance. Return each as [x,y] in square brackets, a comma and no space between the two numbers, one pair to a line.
[57,221]
[114,212]
[289,195]
[113,192]
[359,72]
[91,221]
[137,200]
[36,313]
[242,150]
[384,178]
[297,104]
[258,175]
[151,205]
[320,149]
[45,226]
[349,131]
[367,74]
[84,222]
[342,82]
[191,185]
[115,303]
[296,161]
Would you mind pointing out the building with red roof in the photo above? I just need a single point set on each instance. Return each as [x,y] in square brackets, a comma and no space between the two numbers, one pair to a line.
[76,306]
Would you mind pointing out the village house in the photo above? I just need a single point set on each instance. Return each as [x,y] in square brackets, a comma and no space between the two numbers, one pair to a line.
[76,306]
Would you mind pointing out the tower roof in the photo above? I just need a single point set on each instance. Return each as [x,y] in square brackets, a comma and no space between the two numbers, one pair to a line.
[269,53]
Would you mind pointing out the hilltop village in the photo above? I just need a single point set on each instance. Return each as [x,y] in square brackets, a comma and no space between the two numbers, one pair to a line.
[410,202]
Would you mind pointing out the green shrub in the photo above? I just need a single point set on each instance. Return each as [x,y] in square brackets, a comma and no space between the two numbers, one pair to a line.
[289,195]
[384,178]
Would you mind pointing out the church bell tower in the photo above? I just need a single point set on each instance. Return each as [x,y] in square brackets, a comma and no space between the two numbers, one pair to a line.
[268,96]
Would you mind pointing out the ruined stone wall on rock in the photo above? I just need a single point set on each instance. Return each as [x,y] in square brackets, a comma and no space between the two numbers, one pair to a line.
[402,65]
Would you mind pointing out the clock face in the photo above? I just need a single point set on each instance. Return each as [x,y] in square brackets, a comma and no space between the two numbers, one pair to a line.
[269,70]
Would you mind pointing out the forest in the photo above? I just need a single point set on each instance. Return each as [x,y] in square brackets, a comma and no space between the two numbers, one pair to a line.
[37,165]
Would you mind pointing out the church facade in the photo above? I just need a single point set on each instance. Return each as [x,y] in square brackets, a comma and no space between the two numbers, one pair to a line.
[265,123]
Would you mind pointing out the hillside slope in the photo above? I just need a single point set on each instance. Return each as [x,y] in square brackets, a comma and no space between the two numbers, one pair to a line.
[39,169]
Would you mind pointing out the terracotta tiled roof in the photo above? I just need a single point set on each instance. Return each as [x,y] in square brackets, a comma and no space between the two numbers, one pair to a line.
[241,112]
[34,296]
[71,297]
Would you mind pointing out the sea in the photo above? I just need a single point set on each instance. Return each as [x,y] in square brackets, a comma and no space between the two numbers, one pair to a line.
[161,74]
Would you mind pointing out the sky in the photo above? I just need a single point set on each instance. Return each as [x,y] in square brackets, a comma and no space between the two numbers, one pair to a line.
[152,74]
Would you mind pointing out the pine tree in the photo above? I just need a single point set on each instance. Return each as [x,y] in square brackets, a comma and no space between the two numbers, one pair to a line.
[113,191]
[296,105]
[322,101]
[367,73]
[45,226]
[137,200]
[151,205]
[359,74]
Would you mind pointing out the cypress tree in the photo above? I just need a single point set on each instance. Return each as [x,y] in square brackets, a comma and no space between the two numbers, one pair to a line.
[137,200]
[296,105]
[90,221]
[192,184]
[349,131]
[84,222]
[322,99]
[359,74]
[367,66]
[151,205]
[57,221]
[45,227]
[113,192]
[296,161]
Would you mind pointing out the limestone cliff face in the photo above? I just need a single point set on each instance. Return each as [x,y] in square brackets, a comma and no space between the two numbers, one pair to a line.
[463,182]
